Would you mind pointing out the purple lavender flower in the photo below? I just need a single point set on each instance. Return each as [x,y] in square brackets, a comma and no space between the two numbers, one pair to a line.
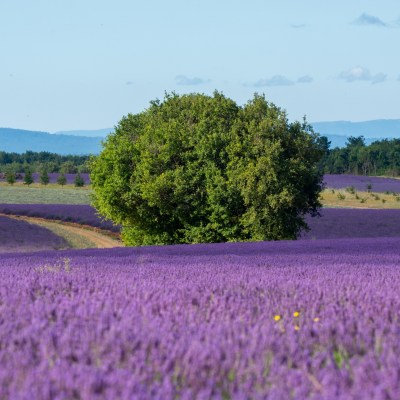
[198,321]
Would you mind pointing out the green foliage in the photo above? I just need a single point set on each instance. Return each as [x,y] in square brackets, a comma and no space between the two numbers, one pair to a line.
[68,167]
[28,178]
[10,176]
[196,168]
[38,160]
[79,181]
[61,180]
[351,189]
[44,177]
[381,157]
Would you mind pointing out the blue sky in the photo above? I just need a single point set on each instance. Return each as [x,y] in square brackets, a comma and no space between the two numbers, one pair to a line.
[84,64]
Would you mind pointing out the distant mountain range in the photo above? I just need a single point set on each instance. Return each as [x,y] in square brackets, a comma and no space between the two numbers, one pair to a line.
[20,141]
[89,141]
[89,133]
[338,131]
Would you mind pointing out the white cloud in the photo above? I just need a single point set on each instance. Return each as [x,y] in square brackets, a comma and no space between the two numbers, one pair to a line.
[379,78]
[362,74]
[366,19]
[298,26]
[184,80]
[356,74]
[305,79]
[276,80]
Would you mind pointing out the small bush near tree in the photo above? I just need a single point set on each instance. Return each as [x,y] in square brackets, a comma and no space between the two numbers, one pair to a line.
[10,177]
[61,180]
[44,177]
[28,178]
[79,181]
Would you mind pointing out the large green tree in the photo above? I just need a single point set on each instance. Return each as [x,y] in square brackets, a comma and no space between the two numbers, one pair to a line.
[196,168]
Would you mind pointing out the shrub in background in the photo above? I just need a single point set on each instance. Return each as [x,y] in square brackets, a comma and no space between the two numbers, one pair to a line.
[10,177]
[44,177]
[28,178]
[79,181]
[61,180]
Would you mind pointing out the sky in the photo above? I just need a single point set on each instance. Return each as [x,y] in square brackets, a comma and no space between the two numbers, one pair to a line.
[84,64]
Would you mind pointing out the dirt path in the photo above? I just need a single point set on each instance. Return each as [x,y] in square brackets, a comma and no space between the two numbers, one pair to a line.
[78,236]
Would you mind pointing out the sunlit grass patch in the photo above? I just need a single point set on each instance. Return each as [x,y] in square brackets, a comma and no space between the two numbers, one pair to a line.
[349,197]
[40,194]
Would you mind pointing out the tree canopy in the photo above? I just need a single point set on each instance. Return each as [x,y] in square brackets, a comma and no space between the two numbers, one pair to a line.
[196,168]
[381,157]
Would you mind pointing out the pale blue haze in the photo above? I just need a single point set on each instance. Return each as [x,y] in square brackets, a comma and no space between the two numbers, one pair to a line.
[84,64]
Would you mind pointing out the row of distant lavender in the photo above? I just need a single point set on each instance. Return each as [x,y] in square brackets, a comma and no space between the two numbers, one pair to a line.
[53,178]
[278,320]
[78,213]
[378,184]
[334,223]
[21,236]
[363,183]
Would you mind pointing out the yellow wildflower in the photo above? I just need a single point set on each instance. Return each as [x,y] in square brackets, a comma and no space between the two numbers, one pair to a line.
[316,319]
[277,317]
[296,327]
[296,314]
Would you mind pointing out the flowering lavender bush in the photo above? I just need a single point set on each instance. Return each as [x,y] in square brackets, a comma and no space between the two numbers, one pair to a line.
[338,223]
[21,236]
[78,213]
[334,223]
[363,183]
[278,320]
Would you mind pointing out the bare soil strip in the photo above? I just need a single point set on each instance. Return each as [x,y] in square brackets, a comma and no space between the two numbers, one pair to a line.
[79,236]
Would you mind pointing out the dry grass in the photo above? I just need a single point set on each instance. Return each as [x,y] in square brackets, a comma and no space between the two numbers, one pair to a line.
[77,236]
[43,194]
[354,199]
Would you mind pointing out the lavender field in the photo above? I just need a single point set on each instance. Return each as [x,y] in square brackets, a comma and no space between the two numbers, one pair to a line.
[338,223]
[316,318]
[21,236]
[277,320]
[362,183]
[78,213]
[335,223]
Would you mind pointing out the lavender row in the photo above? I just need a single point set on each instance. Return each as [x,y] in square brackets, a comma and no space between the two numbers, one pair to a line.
[363,183]
[22,237]
[279,320]
[334,223]
[78,213]
[53,177]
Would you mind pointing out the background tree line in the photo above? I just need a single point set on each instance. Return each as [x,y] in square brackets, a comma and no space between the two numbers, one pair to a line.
[40,161]
[379,158]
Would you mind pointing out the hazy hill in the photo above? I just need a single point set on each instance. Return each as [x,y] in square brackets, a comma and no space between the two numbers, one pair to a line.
[339,131]
[89,133]
[89,141]
[19,141]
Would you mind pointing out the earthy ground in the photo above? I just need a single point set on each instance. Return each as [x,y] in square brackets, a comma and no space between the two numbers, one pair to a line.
[343,198]
[77,236]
